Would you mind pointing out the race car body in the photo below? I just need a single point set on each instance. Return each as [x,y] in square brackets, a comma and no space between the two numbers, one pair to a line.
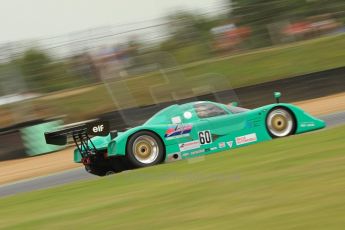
[191,130]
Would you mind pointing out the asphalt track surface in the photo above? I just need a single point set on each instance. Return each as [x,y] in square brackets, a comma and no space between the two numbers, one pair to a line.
[69,176]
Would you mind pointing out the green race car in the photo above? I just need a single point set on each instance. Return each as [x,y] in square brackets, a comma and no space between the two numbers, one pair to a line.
[182,132]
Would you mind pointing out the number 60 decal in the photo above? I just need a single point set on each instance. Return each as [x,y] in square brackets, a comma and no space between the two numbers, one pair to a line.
[205,137]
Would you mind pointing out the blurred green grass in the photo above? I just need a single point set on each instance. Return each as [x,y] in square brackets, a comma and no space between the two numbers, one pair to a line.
[291,183]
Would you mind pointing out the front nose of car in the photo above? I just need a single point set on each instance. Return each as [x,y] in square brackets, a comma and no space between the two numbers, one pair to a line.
[317,124]
[321,123]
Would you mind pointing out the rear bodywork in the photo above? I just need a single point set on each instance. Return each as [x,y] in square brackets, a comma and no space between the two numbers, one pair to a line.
[182,131]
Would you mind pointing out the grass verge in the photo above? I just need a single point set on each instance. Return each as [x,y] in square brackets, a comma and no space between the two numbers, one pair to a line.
[291,183]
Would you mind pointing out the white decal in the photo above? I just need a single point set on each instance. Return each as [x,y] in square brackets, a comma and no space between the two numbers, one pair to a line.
[189,145]
[307,124]
[246,139]
[187,115]
[176,120]
[205,137]
[213,148]
[221,145]
[198,151]
[230,143]
[98,128]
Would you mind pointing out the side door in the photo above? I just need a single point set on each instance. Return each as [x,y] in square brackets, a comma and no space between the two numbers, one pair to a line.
[224,125]
[199,139]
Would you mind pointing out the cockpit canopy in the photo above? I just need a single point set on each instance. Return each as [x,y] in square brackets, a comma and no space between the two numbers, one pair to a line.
[191,112]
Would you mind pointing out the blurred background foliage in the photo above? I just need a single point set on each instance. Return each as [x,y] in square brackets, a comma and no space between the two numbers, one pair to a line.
[42,72]
[259,14]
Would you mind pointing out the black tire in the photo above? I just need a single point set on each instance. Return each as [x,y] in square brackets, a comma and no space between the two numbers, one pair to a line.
[144,149]
[97,170]
[118,164]
[280,122]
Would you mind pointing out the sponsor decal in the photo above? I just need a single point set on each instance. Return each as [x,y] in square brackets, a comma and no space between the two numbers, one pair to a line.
[221,145]
[198,152]
[178,131]
[188,115]
[307,124]
[230,143]
[176,120]
[205,137]
[98,128]
[185,155]
[246,139]
[189,145]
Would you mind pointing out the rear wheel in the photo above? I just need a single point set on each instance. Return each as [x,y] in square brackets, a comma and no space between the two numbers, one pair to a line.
[280,122]
[145,149]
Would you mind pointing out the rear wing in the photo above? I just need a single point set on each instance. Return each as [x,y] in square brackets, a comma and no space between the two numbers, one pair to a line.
[77,131]
[80,132]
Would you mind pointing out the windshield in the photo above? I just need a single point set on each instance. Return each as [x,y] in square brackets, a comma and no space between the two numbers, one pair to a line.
[206,110]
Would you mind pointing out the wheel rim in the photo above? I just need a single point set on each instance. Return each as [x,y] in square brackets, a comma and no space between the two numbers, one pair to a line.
[145,149]
[280,123]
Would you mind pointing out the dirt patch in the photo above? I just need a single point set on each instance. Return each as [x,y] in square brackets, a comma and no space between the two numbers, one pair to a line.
[324,105]
[15,170]
[68,93]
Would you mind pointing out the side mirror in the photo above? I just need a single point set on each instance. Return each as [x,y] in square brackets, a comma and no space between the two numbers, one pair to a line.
[277,96]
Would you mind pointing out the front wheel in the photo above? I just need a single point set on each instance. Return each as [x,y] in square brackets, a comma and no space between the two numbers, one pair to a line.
[280,122]
[145,149]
